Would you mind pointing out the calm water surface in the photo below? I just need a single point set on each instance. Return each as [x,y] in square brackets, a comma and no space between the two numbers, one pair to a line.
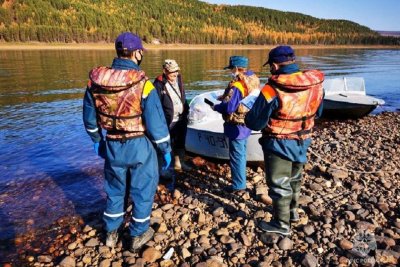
[48,168]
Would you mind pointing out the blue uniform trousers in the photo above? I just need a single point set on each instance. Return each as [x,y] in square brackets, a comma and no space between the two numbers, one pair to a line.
[137,158]
[237,162]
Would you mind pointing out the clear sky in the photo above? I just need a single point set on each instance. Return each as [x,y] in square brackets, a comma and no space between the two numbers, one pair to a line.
[383,15]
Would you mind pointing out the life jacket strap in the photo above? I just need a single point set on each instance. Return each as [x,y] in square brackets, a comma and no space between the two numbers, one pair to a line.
[119,117]
[303,119]
[122,136]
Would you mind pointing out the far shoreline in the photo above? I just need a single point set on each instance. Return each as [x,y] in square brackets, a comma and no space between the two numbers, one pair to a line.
[110,46]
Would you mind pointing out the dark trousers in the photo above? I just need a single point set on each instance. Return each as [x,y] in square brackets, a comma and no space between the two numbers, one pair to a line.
[177,132]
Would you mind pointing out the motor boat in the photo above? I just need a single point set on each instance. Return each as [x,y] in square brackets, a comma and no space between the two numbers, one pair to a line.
[346,98]
[205,133]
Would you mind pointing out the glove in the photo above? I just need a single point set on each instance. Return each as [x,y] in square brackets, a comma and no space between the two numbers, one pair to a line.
[167,161]
[96,148]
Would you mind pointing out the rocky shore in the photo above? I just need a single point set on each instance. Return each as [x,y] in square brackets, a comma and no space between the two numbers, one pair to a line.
[349,211]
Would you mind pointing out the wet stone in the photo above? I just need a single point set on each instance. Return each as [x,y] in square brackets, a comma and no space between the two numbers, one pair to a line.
[93,242]
[218,212]
[225,239]
[212,251]
[308,229]
[197,250]
[151,255]
[45,259]
[309,261]
[309,240]
[285,244]
[269,238]
[304,200]
[68,262]
[105,263]
[350,216]
[345,244]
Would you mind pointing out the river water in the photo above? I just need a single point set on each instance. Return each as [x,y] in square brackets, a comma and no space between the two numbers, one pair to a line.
[47,165]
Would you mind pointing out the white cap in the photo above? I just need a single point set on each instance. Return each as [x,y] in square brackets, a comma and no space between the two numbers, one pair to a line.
[170,65]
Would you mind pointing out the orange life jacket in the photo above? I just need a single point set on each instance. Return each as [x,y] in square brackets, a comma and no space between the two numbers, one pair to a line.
[299,94]
[245,84]
[117,97]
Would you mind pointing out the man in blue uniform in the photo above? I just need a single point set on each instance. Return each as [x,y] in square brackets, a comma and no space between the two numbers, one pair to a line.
[285,112]
[121,100]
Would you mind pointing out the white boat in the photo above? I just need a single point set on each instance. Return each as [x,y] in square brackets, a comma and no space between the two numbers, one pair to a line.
[347,98]
[205,133]
[344,98]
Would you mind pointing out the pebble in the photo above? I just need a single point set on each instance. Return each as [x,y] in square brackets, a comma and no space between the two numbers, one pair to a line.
[269,238]
[225,239]
[151,255]
[68,262]
[218,212]
[208,227]
[308,229]
[105,263]
[285,244]
[309,261]
[93,242]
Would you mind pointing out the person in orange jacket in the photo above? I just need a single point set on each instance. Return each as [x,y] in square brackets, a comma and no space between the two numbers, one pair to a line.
[121,100]
[285,111]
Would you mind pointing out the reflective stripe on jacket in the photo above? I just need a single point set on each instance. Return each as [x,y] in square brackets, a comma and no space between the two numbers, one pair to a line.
[117,97]
[299,95]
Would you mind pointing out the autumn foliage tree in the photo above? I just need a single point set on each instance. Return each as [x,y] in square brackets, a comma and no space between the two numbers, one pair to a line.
[172,21]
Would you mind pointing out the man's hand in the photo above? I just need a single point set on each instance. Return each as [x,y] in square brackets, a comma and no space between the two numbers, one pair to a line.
[96,148]
[167,161]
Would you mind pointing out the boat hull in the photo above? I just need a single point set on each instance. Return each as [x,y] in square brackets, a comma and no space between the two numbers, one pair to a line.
[344,110]
[216,145]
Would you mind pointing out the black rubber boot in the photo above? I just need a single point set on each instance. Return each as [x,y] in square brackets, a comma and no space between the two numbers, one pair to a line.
[278,173]
[271,227]
[295,184]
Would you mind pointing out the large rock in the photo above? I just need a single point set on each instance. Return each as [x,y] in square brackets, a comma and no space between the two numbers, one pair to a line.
[45,259]
[387,257]
[93,242]
[105,263]
[338,173]
[309,261]
[68,262]
[308,229]
[269,238]
[285,244]
[215,263]
[345,244]
[218,212]
[151,255]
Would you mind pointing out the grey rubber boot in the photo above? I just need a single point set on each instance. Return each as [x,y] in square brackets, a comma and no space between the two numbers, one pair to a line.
[139,241]
[112,239]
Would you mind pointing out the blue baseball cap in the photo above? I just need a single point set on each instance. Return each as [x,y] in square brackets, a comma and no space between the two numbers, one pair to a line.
[280,54]
[237,61]
[128,41]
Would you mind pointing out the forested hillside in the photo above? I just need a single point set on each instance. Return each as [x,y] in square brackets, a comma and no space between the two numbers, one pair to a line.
[172,21]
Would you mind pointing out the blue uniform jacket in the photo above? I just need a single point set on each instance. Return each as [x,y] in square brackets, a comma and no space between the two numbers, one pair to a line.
[257,119]
[153,115]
